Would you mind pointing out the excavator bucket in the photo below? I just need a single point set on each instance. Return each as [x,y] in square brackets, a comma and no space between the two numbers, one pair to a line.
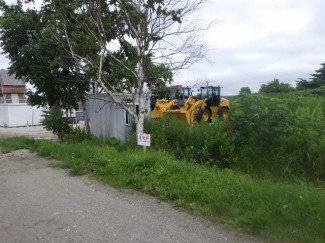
[156,113]
[183,114]
[161,106]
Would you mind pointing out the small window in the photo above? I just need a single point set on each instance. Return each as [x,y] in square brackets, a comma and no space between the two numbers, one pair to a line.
[179,94]
[186,93]
[210,92]
[216,91]
[21,98]
[8,98]
[137,109]
[173,94]
[128,117]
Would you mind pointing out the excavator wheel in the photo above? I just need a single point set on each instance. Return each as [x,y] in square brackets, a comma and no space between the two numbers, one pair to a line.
[223,113]
[203,115]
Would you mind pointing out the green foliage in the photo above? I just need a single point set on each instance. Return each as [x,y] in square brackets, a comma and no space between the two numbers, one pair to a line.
[319,76]
[204,143]
[275,87]
[10,144]
[38,58]
[317,80]
[78,134]
[55,122]
[245,90]
[278,211]
[279,138]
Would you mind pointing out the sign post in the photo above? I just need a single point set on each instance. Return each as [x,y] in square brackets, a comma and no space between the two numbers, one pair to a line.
[144,140]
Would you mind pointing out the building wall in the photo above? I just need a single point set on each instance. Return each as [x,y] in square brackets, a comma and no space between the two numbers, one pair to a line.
[4,117]
[19,115]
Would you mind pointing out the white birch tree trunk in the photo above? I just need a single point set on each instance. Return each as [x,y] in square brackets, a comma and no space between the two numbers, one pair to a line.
[141,75]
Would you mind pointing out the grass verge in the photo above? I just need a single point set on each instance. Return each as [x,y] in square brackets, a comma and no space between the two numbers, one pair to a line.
[277,211]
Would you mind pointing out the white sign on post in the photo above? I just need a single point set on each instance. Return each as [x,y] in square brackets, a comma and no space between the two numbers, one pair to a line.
[144,139]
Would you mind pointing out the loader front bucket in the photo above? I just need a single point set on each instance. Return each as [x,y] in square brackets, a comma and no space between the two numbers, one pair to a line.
[180,114]
[156,113]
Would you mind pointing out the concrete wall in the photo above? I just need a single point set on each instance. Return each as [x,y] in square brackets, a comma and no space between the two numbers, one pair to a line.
[4,117]
[19,115]
[107,119]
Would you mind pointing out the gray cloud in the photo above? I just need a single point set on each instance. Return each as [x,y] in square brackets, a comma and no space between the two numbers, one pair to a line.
[270,52]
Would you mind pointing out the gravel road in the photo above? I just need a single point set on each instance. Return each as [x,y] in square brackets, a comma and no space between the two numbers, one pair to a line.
[40,204]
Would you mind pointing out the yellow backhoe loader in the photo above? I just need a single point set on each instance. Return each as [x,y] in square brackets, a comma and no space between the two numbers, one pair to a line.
[177,99]
[207,105]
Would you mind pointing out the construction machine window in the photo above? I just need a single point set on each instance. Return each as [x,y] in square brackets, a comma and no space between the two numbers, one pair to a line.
[179,94]
[216,91]
[204,93]
[186,93]
[209,92]
[173,94]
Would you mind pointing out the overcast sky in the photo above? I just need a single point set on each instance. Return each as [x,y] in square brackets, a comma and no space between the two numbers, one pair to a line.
[257,41]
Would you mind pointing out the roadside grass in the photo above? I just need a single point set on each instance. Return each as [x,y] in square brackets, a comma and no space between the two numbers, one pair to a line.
[278,211]
[11,144]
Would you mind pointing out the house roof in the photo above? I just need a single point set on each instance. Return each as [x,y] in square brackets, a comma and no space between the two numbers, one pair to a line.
[6,79]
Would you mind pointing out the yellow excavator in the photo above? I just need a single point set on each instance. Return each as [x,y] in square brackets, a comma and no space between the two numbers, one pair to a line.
[178,96]
[204,107]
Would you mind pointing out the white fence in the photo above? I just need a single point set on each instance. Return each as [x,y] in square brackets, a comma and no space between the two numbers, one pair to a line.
[20,115]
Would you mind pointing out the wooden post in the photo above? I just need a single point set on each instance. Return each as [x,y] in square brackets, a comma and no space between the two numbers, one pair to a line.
[145,149]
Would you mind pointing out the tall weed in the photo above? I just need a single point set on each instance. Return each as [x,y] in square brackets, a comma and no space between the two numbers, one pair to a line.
[203,142]
[281,138]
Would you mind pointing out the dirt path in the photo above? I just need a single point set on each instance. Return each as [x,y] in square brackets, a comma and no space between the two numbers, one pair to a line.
[40,204]
[35,132]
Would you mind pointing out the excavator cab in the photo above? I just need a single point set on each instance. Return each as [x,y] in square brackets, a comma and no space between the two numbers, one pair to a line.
[211,95]
[180,94]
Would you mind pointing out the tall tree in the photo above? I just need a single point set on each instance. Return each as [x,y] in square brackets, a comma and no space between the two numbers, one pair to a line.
[319,76]
[317,79]
[245,90]
[275,87]
[141,42]
[40,60]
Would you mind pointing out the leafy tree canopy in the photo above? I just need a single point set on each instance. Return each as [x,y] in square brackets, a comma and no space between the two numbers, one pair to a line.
[38,58]
[317,80]
[275,87]
[245,90]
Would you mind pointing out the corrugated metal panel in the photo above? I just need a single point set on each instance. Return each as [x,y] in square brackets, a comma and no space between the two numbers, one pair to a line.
[107,119]
[5,79]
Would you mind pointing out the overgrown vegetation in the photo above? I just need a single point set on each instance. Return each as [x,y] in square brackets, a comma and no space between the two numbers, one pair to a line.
[279,138]
[202,143]
[55,122]
[15,143]
[261,170]
[276,138]
[292,213]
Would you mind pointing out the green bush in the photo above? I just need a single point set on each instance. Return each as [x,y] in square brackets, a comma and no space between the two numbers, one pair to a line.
[78,135]
[279,138]
[55,122]
[203,142]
